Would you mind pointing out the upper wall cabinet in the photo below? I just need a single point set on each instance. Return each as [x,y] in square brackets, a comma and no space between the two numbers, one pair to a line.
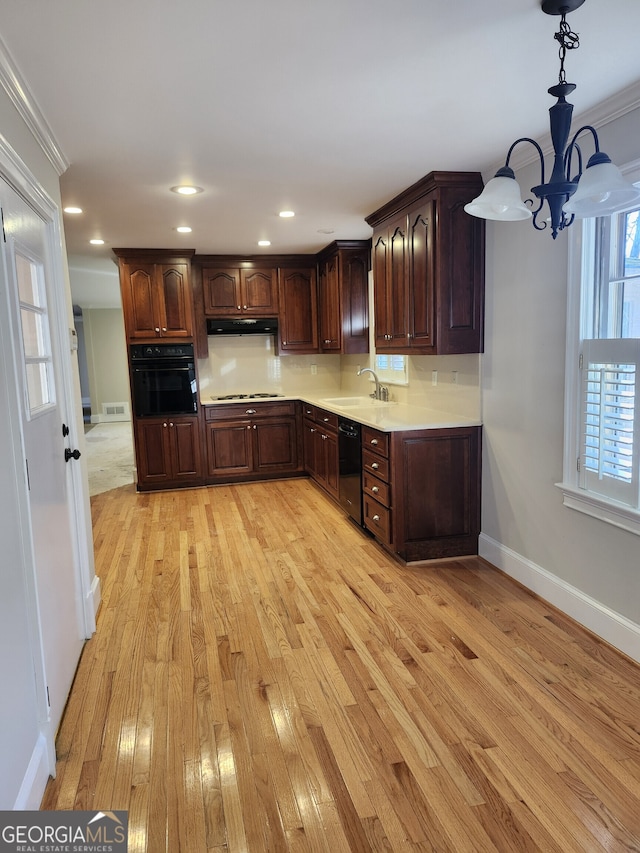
[298,318]
[343,270]
[156,292]
[239,291]
[428,268]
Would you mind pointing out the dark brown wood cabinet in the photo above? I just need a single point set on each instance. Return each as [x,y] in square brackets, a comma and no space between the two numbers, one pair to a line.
[343,304]
[428,268]
[298,317]
[168,452]
[157,300]
[252,441]
[421,491]
[321,457]
[240,291]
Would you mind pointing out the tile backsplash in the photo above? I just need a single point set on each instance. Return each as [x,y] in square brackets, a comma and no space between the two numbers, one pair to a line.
[245,365]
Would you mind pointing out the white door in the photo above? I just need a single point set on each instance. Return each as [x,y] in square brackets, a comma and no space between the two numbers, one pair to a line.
[43,417]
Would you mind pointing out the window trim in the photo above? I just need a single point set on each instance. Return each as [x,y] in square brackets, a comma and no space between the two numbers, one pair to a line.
[581,242]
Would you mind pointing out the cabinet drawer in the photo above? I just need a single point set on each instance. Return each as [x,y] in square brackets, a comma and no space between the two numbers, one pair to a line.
[375,465]
[373,439]
[378,490]
[377,519]
[327,419]
[248,409]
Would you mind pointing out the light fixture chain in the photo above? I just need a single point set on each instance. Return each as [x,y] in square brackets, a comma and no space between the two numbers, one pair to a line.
[568,41]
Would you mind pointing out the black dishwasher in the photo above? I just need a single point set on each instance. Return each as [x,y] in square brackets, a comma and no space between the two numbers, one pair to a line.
[350,486]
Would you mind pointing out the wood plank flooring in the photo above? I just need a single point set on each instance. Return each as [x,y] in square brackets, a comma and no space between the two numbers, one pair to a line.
[265,678]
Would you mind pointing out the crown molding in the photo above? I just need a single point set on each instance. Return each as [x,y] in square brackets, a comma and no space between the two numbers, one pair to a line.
[606,111]
[24,102]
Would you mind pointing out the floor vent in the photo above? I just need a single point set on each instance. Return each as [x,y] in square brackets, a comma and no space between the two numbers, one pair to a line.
[115,412]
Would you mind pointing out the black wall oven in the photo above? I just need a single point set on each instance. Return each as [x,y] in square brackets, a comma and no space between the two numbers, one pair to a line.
[163,380]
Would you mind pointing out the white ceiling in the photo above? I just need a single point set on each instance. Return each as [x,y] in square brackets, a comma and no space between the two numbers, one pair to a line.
[329,108]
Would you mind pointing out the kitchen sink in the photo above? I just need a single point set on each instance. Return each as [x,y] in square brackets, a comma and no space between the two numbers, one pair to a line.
[354,402]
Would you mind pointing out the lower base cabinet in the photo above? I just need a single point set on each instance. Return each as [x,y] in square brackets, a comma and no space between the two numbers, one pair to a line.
[168,452]
[321,458]
[252,441]
[421,491]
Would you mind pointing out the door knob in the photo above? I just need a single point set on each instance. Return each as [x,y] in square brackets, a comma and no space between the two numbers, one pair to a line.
[65,430]
[71,454]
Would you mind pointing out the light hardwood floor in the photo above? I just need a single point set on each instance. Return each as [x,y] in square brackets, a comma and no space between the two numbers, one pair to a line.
[265,678]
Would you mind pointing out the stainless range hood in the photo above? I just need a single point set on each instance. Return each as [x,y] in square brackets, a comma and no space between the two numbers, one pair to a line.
[242,326]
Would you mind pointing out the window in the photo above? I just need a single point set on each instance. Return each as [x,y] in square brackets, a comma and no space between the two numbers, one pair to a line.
[35,335]
[392,369]
[602,418]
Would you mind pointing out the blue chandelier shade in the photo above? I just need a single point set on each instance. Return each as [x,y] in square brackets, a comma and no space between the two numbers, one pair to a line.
[598,190]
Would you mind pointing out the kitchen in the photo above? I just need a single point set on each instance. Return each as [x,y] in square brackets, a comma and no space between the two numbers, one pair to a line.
[587,567]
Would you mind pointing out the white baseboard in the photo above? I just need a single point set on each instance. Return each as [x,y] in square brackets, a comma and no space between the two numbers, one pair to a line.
[593,615]
[35,779]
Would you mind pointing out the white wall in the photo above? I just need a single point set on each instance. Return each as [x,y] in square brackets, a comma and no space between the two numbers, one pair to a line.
[584,565]
[106,350]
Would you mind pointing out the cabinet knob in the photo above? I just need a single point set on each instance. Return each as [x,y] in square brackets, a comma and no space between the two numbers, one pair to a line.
[165,425]
[375,466]
[249,427]
[375,490]
[374,441]
[250,412]
[170,424]
[311,429]
[164,328]
[245,307]
[324,437]
[239,308]
[255,427]
[158,330]
[326,420]
[375,518]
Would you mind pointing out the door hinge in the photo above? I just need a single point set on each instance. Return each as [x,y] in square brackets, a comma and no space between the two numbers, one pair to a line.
[580,361]
[4,236]
[578,464]
[48,697]
[26,462]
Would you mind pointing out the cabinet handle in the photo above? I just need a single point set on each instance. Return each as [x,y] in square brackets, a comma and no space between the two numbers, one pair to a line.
[374,441]
[311,429]
[326,420]
[250,412]
[375,518]
[324,437]
[375,490]
[375,466]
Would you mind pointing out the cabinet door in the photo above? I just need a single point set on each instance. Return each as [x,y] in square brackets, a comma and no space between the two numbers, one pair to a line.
[354,277]
[221,291]
[229,448]
[329,306]
[139,301]
[259,292]
[298,327]
[174,302]
[309,447]
[153,453]
[332,462]
[275,446]
[421,272]
[184,438]
[391,275]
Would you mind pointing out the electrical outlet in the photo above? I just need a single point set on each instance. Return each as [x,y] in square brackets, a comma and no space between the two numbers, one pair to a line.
[434,377]
[454,377]
[314,369]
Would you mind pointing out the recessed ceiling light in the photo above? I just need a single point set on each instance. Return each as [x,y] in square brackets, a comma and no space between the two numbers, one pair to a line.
[286,214]
[264,242]
[186,190]
[97,242]
[73,210]
[183,229]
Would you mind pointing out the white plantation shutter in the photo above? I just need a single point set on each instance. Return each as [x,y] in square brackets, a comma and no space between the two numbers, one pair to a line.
[610,419]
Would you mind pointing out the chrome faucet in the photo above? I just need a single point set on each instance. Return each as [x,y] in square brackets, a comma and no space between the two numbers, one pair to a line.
[381,393]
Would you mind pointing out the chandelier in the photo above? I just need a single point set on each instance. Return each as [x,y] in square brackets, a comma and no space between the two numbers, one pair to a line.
[599,190]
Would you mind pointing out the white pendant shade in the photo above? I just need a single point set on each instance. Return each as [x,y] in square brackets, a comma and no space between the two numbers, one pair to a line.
[501,200]
[601,191]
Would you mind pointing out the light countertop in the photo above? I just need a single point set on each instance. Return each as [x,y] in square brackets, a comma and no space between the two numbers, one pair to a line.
[387,417]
